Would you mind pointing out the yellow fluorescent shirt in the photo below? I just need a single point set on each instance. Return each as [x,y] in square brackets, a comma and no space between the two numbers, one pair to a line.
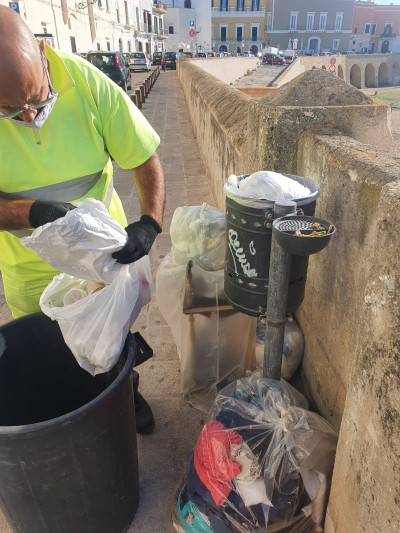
[92,120]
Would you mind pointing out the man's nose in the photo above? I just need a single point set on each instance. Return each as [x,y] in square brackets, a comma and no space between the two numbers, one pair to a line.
[28,115]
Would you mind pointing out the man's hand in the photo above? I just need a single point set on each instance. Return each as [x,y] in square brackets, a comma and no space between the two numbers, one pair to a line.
[141,236]
[42,212]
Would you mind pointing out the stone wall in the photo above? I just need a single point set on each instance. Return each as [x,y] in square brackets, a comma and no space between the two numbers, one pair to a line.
[226,69]
[350,316]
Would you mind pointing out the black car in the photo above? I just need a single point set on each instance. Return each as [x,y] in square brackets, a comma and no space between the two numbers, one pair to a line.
[158,58]
[170,59]
[114,65]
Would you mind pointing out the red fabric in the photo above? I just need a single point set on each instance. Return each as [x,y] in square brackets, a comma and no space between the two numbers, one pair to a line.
[212,459]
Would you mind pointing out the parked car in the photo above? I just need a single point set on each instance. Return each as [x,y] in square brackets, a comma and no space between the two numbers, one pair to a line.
[201,54]
[158,58]
[113,65]
[139,61]
[211,54]
[188,54]
[272,59]
[348,52]
[170,59]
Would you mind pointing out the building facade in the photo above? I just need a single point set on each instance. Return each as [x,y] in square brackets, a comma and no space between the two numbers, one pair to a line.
[310,25]
[376,28]
[125,25]
[239,26]
[188,23]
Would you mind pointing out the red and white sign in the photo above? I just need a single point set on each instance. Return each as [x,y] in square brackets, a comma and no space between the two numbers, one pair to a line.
[192,33]
[332,68]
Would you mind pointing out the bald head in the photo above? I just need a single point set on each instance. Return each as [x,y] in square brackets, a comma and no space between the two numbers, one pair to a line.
[21,68]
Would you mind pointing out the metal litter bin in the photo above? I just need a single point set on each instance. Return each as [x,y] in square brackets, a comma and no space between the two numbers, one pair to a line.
[68,453]
[248,236]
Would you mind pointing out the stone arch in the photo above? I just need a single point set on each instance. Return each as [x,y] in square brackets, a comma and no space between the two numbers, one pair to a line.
[223,48]
[340,72]
[355,76]
[323,67]
[254,49]
[395,74]
[314,68]
[370,75]
[383,75]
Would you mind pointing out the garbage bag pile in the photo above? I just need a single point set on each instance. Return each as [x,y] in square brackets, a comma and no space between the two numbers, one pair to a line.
[211,345]
[262,463]
[95,300]
[293,347]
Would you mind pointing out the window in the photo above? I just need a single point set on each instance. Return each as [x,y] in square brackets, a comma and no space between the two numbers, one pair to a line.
[223,33]
[310,21]
[254,33]
[269,21]
[293,21]
[373,30]
[335,45]
[338,21]
[188,4]
[117,11]
[388,29]
[99,3]
[98,46]
[108,46]
[73,43]
[126,12]
[240,5]
[137,18]
[223,6]
[239,33]
[355,30]
[171,30]
[255,5]
[107,6]
[322,21]
[129,47]
[367,28]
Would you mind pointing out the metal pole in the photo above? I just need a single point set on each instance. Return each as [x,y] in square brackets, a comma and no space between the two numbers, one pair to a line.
[278,284]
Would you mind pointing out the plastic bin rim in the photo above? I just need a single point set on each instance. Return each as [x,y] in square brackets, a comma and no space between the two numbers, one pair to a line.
[30,428]
[264,203]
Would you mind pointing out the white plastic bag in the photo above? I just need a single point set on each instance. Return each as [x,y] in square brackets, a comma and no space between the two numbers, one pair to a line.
[80,245]
[198,233]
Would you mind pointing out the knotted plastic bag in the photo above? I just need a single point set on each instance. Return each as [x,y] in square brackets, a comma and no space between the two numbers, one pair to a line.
[80,245]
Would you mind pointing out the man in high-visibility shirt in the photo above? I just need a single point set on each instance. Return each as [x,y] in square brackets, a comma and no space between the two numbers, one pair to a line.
[61,121]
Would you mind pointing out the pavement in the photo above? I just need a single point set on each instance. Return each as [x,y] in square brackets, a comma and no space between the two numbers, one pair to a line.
[163,455]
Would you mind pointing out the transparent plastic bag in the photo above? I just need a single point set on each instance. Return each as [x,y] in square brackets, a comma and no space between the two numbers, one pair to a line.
[80,245]
[211,345]
[293,347]
[198,233]
[267,185]
[262,462]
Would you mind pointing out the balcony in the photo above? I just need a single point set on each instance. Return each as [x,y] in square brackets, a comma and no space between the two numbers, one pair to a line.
[388,35]
[160,8]
[162,34]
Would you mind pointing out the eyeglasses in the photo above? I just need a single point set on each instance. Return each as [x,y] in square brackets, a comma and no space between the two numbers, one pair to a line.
[34,106]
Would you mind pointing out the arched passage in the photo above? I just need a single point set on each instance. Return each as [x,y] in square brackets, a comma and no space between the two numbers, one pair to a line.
[355,76]
[254,50]
[395,75]
[314,68]
[223,48]
[370,75]
[323,67]
[313,44]
[340,72]
[383,75]
[385,47]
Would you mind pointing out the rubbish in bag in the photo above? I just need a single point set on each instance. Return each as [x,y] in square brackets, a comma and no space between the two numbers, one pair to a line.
[213,344]
[262,463]
[80,245]
[266,185]
[293,347]
[198,234]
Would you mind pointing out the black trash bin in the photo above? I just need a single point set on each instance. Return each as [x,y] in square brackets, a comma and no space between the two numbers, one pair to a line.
[248,235]
[68,453]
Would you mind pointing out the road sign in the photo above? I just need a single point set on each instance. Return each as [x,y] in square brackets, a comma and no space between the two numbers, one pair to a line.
[332,68]
[14,6]
[332,60]
[192,33]
[191,23]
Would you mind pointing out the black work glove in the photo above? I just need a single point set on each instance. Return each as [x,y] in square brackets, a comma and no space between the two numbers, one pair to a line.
[42,212]
[141,236]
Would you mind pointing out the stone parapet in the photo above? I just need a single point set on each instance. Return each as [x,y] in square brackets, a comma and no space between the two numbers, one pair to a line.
[350,316]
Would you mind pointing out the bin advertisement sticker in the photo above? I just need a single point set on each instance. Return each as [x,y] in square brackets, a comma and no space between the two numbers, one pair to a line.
[239,256]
